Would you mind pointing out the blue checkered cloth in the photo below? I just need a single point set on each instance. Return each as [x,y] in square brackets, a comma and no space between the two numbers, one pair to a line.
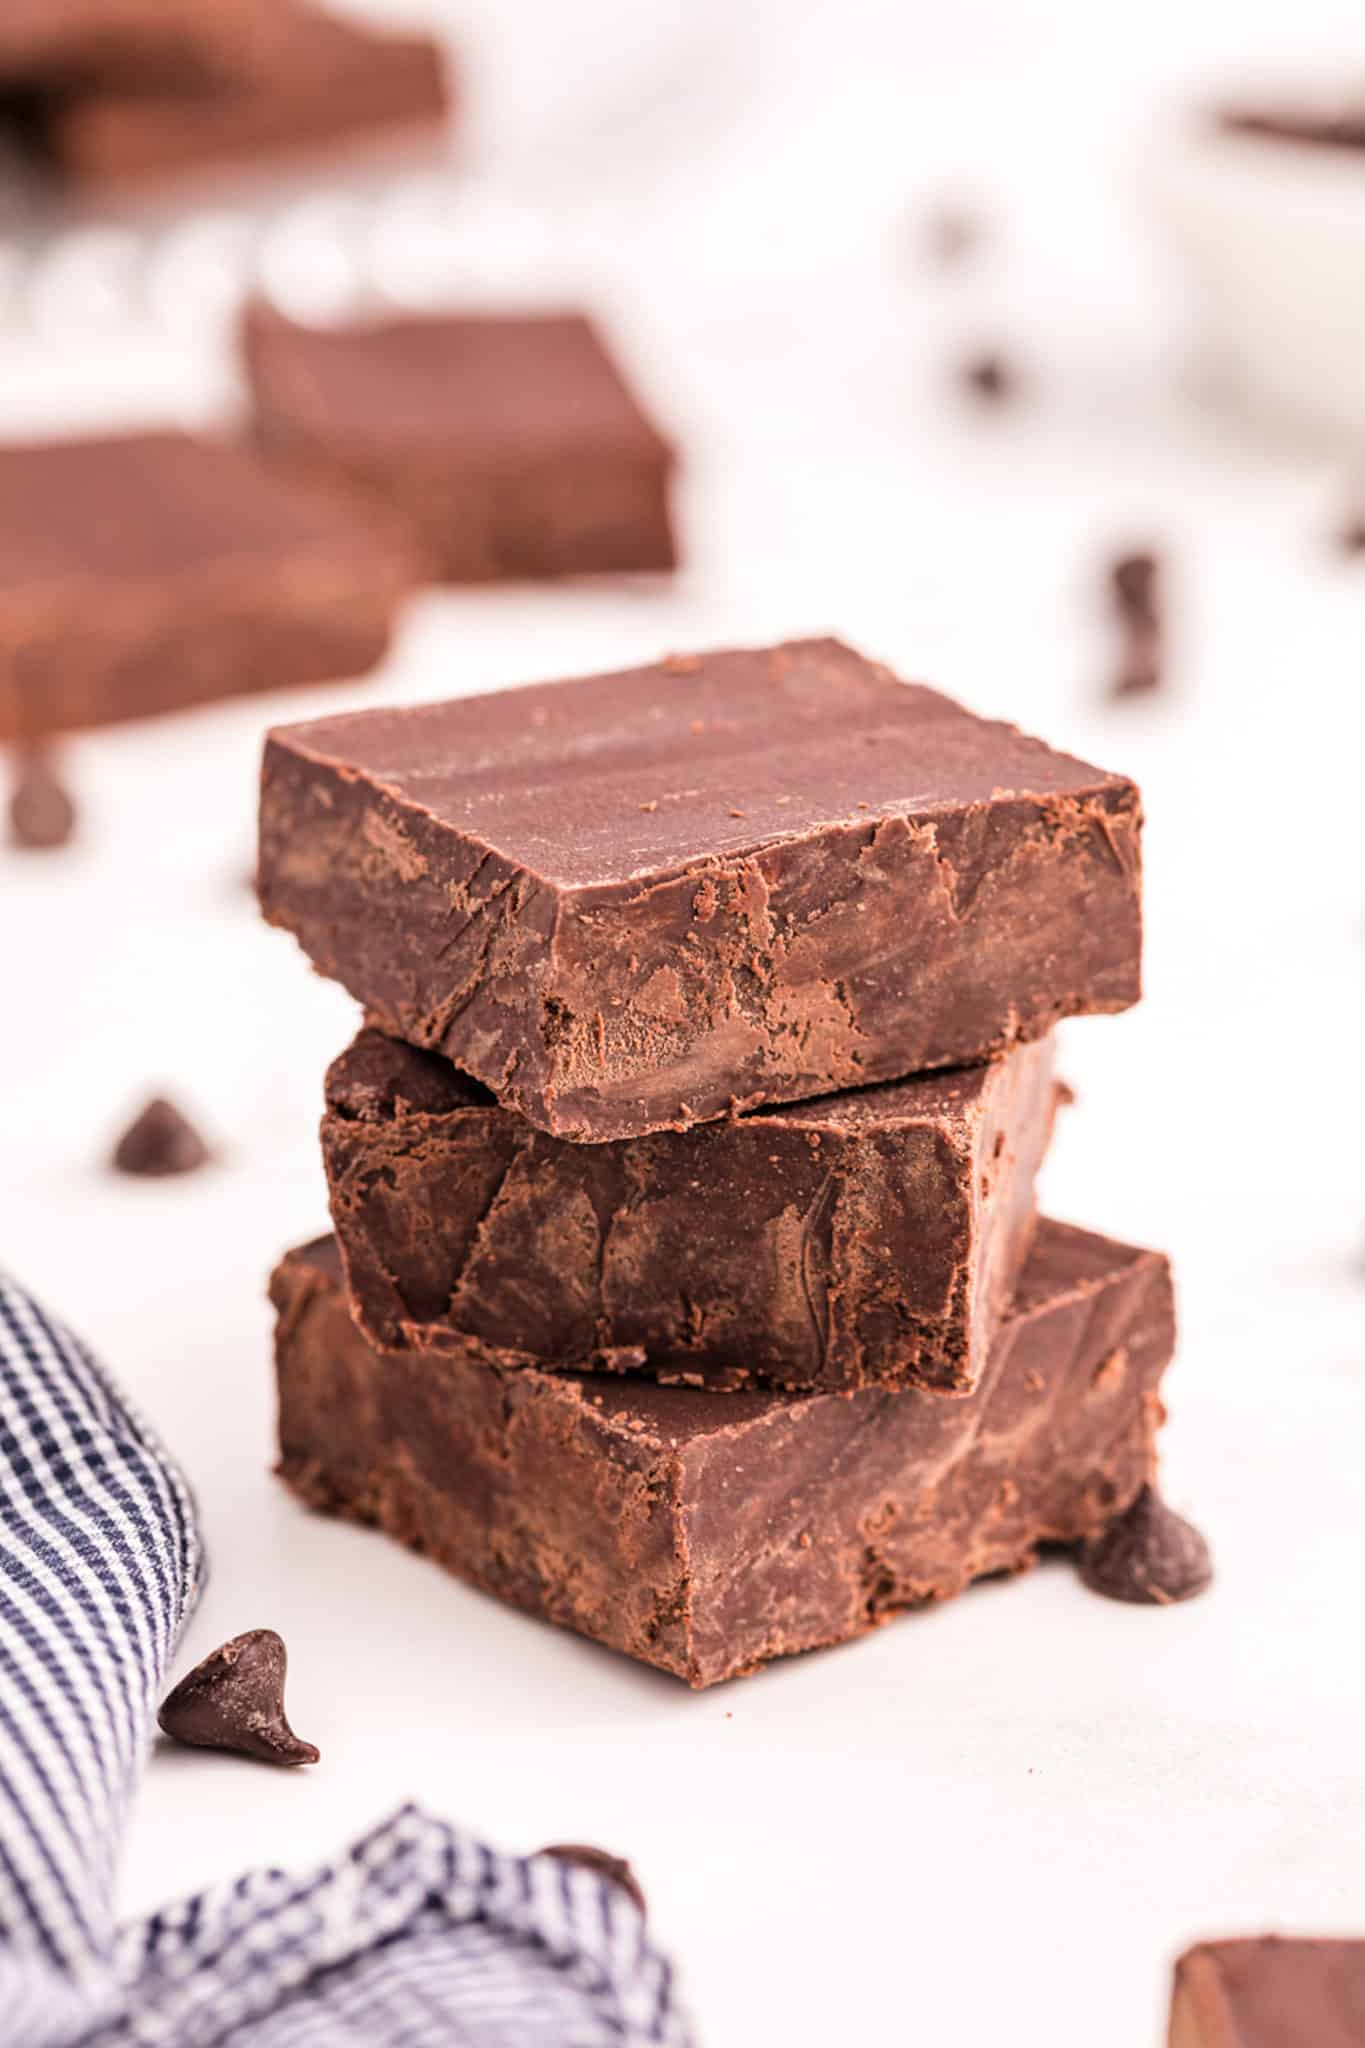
[418,1935]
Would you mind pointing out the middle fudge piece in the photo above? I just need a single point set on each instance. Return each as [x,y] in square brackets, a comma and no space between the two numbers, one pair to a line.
[867,1238]
[641,901]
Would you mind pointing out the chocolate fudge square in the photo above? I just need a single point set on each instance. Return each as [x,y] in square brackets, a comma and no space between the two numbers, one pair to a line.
[299,81]
[1270,1992]
[645,900]
[147,572]
[869,1238]
[510,445]
[707,1533]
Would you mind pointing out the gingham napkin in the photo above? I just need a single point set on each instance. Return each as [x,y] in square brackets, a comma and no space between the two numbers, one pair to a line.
[419,1935]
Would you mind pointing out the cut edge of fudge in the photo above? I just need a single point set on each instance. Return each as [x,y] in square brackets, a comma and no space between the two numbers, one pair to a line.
[809,942]
[847,1241]
[708,1535]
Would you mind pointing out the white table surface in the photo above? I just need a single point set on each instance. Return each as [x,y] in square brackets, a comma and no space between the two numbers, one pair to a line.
[1001,1819]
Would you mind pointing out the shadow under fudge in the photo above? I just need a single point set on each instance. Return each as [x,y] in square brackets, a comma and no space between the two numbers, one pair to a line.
[706,1534]
[642,901]
[872,1237]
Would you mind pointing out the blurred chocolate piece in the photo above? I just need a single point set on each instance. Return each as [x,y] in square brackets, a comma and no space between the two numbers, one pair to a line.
[1149,1556]
[550,885]
[707,1533]
[952,234]
[614,1869]
[235,1700]
[160,1141]
[508,445]
[318,82]
[1136,598]
[871,1237]
[1341,128]
[1269,1992]
[146,572]
[41,812]
[1351,532]
[989,377]
[62,45]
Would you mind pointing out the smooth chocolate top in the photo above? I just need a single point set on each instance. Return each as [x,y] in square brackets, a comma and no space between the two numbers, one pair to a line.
[629,776]
[1270,1992]
[154,504]
[512,383]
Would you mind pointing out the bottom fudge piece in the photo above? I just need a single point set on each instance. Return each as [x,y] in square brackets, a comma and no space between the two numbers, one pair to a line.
[1270,1993]
[706,1533]
[873,1237]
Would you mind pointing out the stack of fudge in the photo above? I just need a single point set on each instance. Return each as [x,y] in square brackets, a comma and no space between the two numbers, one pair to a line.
[687,1286]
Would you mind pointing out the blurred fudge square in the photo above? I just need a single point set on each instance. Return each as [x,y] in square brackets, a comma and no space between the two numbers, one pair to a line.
[872,1237]
[645,900]
[511,445]
[1269,1992]
[145,572]
[292,81]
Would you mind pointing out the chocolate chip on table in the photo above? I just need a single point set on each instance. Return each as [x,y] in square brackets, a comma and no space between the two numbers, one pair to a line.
[989,376]
[1135,580]
[1136,599]
[952,234]
[41,812]
[614,1868]
[160,1140]
[1150,1555]
[235,1700]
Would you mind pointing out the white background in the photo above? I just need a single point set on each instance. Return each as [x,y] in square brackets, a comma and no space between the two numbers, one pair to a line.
[1004,1818]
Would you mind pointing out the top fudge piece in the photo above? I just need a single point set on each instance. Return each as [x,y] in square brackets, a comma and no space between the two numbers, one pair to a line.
[1270,1993]
[144,572]
[644,900]
[511,445]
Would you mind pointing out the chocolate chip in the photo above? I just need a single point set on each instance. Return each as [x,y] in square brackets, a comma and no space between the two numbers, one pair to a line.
[951,235]
[1149,1555]
[614,1868]
[235,1700]
[41,812]
[160,1141]
[989,377]
[1135,582]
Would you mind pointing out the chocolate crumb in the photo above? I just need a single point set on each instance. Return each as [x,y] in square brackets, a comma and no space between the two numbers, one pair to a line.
[159,1141]
[42,815]
[1150,1555]
[989,376]
[614,1868]
[235,1700]
[1136,598]
[1135,581]
[652,805]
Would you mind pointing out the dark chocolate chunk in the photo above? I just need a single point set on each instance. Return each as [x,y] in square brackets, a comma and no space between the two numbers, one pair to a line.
[708,1533]
[1269,1992]
[990,377]
[869,1237]
[614,1868]
[142,573]
[160,1140]
[41,812]
[235,1700]
[484,877]
[1150,1555]
[508,445]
